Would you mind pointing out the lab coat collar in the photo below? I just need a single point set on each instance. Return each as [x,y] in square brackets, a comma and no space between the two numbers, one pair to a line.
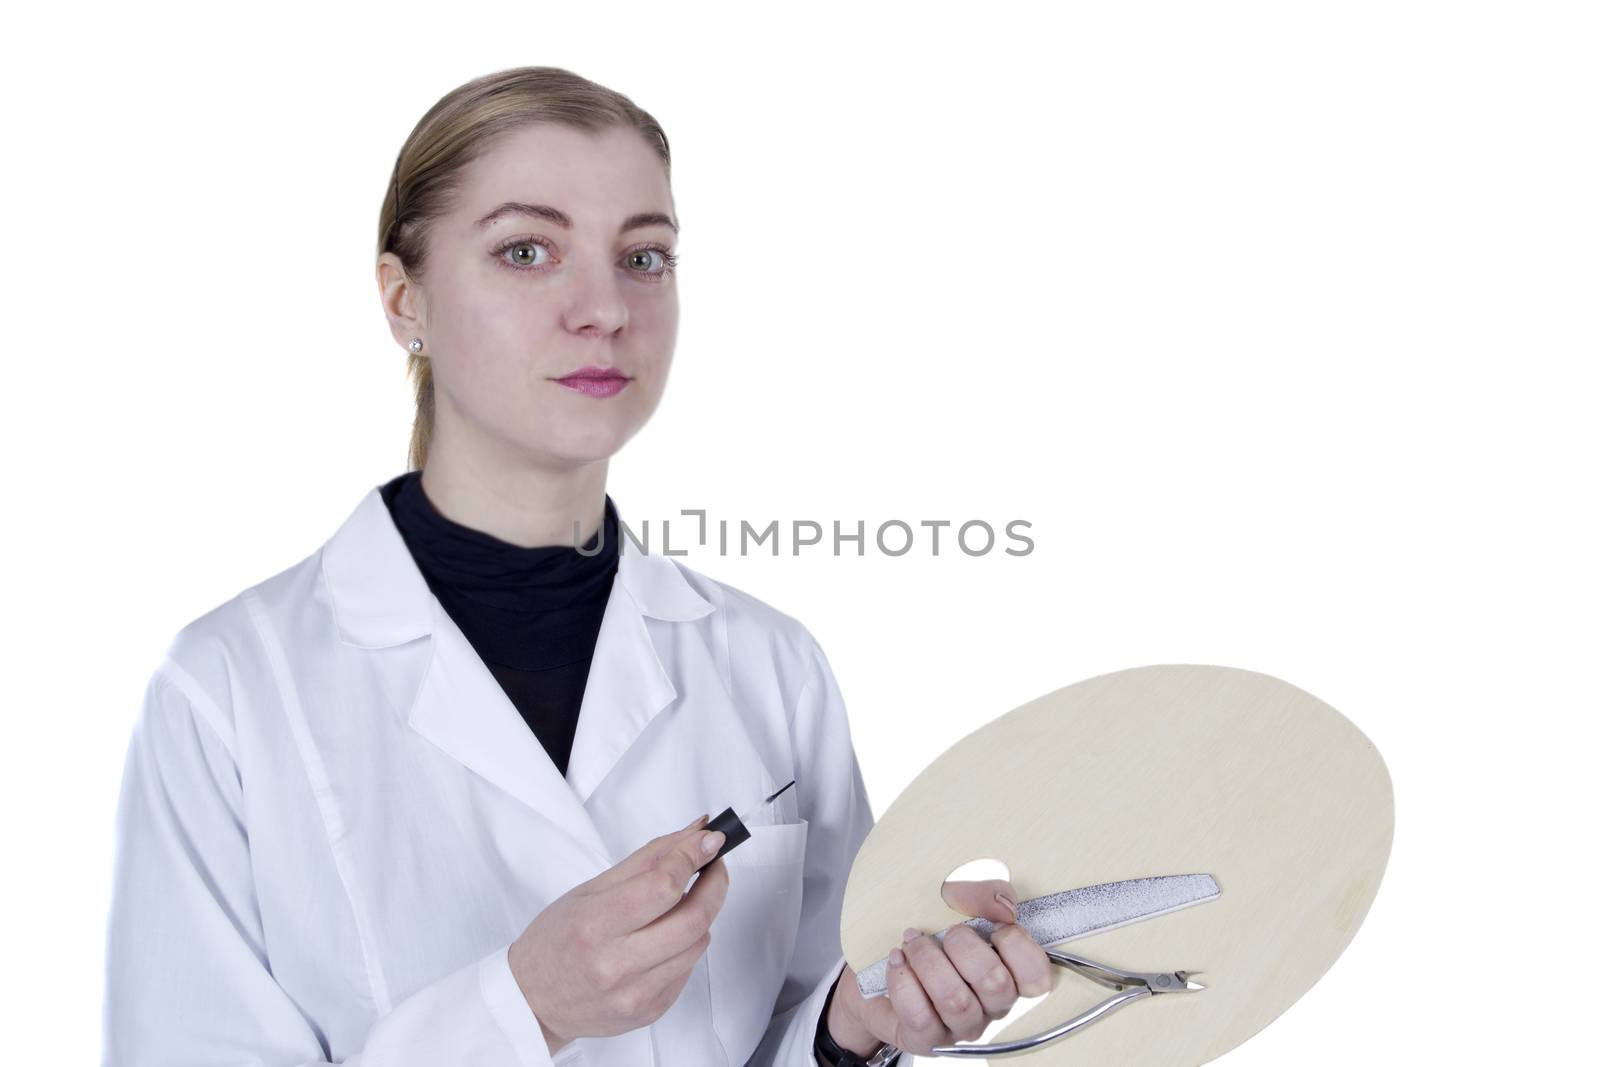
[380,598]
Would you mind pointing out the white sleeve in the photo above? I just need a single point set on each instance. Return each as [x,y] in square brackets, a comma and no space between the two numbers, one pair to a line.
[840,815]
[188,981]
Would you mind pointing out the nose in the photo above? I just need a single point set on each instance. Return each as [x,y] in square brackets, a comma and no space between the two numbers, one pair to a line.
[595,305]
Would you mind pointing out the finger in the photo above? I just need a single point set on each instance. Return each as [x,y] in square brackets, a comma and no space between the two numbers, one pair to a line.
[652,891]
[686,922]
[649,988]
[982,899]
[958,1006]
[1025,958]
[917,1025]
[981,967]
[644,857]
[666,979]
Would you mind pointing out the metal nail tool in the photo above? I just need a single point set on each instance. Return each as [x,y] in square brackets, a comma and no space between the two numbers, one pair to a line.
[1075,913]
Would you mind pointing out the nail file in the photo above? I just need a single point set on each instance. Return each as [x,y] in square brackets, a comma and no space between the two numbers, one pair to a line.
[1075,913]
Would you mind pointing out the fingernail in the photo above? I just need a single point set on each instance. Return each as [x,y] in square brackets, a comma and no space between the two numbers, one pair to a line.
[1010,904]
[711,842]
[897,957]
[696,822]
[910,935]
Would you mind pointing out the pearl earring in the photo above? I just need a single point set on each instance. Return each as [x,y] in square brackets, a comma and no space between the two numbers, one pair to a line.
[416,344]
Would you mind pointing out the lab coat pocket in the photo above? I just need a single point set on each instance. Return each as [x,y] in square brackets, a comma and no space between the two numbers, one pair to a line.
[753,936]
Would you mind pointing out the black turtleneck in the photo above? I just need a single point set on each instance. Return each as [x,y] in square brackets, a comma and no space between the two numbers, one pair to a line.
[532,614]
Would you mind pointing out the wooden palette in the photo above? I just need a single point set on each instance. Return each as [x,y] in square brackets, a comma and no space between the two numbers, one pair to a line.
[1169,769]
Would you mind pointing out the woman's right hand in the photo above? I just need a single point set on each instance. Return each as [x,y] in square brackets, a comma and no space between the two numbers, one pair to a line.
[613,953]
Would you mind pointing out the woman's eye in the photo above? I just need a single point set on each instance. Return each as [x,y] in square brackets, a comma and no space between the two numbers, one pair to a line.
[526,254]
[649,260]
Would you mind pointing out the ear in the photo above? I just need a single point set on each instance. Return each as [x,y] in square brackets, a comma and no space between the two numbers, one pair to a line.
[402,300]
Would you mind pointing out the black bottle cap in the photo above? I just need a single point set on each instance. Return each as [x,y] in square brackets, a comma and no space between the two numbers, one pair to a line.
[728,823]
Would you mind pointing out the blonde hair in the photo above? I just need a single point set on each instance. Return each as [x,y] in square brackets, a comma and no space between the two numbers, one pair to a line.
[462,126]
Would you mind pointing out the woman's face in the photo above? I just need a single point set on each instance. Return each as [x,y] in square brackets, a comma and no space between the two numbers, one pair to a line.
[555,257]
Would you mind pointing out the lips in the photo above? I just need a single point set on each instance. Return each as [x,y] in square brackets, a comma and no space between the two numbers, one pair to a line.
[594,374]
[596,381]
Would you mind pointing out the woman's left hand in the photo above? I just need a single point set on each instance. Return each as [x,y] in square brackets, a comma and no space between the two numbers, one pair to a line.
[943,993]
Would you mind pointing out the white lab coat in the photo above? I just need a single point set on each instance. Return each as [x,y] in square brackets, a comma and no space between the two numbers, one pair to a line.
[333,822]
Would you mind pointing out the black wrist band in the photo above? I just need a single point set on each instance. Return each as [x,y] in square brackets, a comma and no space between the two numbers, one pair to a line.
[829,1049]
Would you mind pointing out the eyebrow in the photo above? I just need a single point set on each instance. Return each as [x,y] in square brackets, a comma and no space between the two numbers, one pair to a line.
[562,219]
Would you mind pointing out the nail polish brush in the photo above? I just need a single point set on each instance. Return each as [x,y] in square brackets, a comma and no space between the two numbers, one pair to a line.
[733,825]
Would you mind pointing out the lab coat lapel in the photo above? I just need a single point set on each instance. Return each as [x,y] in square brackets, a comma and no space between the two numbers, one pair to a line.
[380,598]
[462,709]
[628,685]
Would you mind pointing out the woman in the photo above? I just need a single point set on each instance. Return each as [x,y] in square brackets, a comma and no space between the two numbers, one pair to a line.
[353,785]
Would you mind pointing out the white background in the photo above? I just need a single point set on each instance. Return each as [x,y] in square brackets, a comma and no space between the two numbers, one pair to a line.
[1276,321]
